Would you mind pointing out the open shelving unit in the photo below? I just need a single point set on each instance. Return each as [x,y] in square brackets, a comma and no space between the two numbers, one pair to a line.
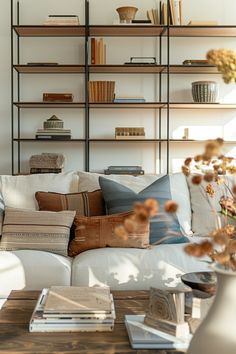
[86,32]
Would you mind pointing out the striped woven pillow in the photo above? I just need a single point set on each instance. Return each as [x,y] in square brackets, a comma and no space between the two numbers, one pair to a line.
[36,230]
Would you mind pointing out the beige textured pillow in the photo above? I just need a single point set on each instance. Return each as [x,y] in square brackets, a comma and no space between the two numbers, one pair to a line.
[36,230]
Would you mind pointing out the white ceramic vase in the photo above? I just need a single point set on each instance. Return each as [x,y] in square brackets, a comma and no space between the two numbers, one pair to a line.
[217,332]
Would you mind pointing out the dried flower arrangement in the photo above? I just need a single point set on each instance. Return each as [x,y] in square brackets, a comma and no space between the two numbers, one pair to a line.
[142,213]
[211,167]
[225,60]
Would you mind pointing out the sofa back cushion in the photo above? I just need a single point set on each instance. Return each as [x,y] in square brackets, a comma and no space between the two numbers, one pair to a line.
[36,230]
[99,232]
[19,191]
[119,198]
[206,209]
[85,203]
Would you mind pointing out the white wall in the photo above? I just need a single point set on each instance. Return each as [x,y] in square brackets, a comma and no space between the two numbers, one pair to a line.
[202,124]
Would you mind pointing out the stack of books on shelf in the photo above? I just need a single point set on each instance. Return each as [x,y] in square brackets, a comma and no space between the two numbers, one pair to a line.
[98,51]
[175,13]
[129,133]
[101,91]
[129,99]
[124,170]
[73,309]
[153,16]
[53,128]
[62,20]
[58,97]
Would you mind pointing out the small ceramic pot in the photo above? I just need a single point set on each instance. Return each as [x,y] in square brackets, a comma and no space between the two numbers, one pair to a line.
[127,13]
[205,91]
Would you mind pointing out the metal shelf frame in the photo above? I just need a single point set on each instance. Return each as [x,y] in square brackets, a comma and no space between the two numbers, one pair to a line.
[161,70]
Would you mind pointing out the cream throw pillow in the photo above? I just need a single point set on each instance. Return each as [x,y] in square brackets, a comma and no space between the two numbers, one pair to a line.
[36,230]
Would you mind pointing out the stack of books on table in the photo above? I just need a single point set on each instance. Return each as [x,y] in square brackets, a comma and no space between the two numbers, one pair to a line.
[53,134]
[62,20]
[124,170]
[129,99]
[142,336]
[74,309]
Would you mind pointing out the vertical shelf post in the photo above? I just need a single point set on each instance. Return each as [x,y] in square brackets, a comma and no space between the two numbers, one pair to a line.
[87,110]
[168,91]
[18,97]
[12,90]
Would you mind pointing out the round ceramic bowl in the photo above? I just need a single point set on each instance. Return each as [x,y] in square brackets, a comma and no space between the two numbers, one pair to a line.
[127,13]
[203,281]
[205,91]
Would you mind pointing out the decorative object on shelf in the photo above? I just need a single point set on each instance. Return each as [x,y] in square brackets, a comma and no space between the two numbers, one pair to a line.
[98,51]
[186,134]
[205,91]
[166,311]
[195,62]
[47,163]
[42,63]
[53,123]
[127,13]
[142,61]
[62,20]
[101,91]
[53,128]
[124,170]
[129,99]
[225,60]
[215,334]
[58,97]
[142,22]
[129,133]
[203,23]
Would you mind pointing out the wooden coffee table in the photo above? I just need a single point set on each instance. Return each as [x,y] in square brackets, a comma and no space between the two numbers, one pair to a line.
[15,337]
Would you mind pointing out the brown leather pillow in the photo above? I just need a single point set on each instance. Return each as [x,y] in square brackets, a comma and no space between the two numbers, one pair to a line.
[85,203]
[99,232]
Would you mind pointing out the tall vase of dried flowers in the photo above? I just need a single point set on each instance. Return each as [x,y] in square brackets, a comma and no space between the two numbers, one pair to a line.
[216,334]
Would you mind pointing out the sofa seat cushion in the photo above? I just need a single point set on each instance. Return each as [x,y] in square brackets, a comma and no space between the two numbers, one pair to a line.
[134,269]
[32,270]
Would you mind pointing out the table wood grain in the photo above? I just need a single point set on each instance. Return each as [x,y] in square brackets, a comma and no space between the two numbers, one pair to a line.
[15,337]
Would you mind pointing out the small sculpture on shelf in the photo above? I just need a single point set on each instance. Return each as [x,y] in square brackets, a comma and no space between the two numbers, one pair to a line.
[47,163]
[127,13]
[53,128]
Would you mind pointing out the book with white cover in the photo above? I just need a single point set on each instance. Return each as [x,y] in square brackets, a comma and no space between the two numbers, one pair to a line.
[68,324]
[142,336]
[73,299]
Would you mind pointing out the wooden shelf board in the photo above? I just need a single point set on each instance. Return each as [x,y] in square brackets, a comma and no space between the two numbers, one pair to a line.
[146,105]
[127,140]
[126,69]
[52,140]
[202,31]
[196,141]
[179,105]
[49,31]
[191,69]
[57,69]
[126,31]
[49,105]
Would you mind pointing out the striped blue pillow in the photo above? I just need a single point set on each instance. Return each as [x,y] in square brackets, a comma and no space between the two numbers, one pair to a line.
[119,198]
